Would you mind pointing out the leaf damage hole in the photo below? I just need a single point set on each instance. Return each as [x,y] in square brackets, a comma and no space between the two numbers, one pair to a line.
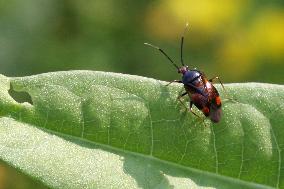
[21,96]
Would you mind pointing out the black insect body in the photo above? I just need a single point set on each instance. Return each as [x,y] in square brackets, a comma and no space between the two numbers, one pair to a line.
[200,90]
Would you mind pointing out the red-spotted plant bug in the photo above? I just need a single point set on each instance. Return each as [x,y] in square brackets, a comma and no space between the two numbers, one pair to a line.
[200,90]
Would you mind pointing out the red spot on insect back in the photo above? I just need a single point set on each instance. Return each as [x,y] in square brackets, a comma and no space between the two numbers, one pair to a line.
[205,110]
[218,100]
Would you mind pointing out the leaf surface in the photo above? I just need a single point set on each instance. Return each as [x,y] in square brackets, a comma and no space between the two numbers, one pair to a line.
[97,129]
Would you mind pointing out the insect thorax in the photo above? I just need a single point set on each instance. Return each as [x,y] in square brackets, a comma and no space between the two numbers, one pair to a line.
[191,76]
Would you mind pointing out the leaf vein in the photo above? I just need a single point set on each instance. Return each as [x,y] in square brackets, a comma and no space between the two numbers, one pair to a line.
[279,158]
[215,150]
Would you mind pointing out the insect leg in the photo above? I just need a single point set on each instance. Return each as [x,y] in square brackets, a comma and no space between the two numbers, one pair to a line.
[191,110]
[225,91]
[174,81]
[214,78]
[179,99]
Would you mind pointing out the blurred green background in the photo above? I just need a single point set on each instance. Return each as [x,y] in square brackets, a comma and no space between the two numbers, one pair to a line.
[240,41]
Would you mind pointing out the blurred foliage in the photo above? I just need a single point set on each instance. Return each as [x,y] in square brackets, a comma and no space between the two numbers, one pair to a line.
[241,41]
[12,179]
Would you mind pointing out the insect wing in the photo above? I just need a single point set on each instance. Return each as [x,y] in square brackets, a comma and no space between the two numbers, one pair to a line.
[215,113]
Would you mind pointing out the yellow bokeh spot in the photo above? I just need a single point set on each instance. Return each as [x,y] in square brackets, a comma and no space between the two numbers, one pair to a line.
[167,17]
[267,34]
[236,55]
[206,14]
[244,37]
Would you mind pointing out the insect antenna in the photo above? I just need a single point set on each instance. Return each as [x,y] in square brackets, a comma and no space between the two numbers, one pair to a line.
[181,45]
[161,50]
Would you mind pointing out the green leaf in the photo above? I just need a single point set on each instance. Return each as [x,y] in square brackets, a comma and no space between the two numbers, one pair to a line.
[89,129]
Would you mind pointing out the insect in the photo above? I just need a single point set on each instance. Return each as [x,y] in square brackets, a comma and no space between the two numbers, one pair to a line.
[200,90]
